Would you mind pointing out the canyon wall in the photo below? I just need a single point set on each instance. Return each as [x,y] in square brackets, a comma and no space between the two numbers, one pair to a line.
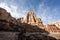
[23,25]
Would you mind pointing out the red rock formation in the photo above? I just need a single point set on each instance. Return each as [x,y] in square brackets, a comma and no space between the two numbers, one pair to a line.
[31,19]
[6,19]
[30,24]
[4,15]
[52,28]
[8,22]
[57,24]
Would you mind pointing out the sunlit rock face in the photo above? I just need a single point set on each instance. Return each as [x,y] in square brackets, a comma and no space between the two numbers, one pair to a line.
[31,19]
[52,28]
[30,24]
[57,24]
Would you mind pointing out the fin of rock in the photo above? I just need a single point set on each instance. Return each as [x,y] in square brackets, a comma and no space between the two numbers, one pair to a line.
[31,19]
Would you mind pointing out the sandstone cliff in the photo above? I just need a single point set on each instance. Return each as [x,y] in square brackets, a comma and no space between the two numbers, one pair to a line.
[31,24]
[7,22]
[33,20]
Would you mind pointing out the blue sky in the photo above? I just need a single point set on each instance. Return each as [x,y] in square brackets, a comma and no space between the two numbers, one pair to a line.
[47,10]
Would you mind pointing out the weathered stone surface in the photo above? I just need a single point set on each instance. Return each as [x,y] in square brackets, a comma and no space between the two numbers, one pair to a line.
[4,15]
[31,19]
[37,36]
[23,36]
[57,24]
[21,20]
[30,24]
[9,35]
[7,22]
[52,28]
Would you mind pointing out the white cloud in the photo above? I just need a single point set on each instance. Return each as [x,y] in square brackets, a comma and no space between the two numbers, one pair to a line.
[17,11]
[46,13]
[13,9]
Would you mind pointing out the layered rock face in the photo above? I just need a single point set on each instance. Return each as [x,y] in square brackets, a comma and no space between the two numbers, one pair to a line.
[57,24]
[4,15]
[52,28]
[6,20]
[31,19]
[31,24]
